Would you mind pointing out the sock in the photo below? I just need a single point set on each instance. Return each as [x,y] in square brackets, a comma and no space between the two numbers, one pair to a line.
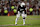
[23,20]
[16,20]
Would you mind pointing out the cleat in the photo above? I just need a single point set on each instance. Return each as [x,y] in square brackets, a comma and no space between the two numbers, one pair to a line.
[23,24]
[15,24]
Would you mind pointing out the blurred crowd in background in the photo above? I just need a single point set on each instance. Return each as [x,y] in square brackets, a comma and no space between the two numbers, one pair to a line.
[9,6]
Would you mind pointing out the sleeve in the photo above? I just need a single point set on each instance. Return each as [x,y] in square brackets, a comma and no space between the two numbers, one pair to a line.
[18,8]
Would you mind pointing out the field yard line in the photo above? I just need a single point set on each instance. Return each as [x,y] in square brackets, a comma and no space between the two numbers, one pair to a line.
[18,24]
[15,25]
[32,18]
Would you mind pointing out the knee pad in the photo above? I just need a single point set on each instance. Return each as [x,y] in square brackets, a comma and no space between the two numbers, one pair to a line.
[23,15]
[18,15]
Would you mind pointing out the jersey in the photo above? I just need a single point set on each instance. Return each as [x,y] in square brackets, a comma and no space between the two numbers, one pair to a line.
[21,9]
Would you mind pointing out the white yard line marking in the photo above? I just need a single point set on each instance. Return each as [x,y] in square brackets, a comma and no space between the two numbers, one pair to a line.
[15,25]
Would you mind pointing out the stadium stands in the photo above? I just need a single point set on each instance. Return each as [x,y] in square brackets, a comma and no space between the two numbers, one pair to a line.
[6,5]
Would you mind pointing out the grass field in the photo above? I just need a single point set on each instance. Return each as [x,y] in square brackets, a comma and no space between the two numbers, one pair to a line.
[9,21]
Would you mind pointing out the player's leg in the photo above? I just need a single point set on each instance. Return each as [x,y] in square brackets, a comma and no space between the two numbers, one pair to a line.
[23,15]
[18,15]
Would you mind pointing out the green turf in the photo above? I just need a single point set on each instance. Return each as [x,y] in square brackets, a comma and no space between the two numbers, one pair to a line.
[34,20]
